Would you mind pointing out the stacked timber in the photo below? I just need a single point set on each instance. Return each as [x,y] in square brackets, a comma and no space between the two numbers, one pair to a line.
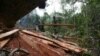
[35,44]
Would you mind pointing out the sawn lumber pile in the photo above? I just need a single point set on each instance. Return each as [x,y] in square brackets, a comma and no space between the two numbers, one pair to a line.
[38,45]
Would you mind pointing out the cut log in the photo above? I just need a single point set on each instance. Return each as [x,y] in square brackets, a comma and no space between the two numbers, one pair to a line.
[61,44]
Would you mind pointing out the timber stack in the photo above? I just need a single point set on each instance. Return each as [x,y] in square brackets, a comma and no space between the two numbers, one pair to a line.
[25,43]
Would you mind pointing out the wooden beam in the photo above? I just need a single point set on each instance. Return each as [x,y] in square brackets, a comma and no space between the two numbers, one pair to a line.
[4,42]
[3,35]
[71,26]
[58,25]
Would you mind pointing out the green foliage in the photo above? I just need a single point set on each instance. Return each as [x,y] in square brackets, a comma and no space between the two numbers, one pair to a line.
[87,25]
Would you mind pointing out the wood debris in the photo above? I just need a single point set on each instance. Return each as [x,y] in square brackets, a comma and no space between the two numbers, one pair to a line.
[39,45]
[61,44]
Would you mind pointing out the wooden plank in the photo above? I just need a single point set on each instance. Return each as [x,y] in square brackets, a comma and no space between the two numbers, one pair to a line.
[3,35]
[71,26]
[61,44]
[58,25]
[4,42]
[41,45]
